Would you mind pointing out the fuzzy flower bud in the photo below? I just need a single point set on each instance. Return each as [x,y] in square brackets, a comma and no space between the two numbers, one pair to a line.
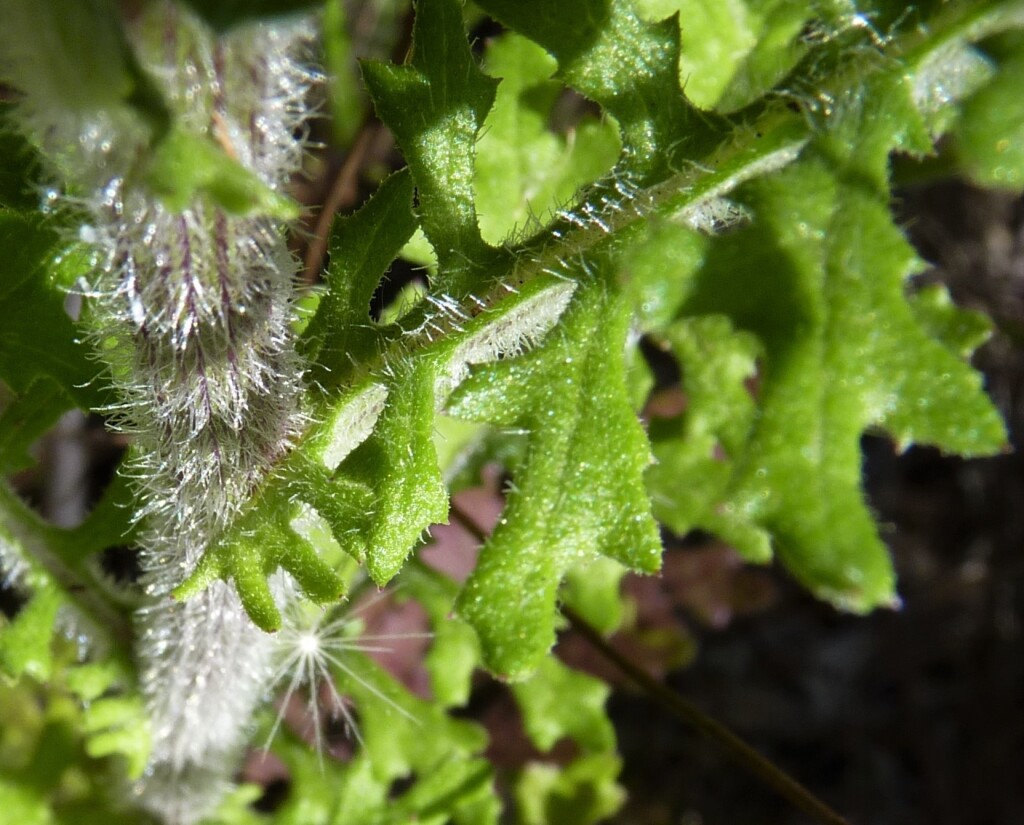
[192,309]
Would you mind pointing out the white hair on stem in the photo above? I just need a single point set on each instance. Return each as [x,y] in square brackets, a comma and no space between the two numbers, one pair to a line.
[191,308]
[207,300]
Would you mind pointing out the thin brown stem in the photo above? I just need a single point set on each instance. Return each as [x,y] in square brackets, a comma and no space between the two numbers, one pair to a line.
[741,752]
[342,195]
[470,526]
[345,187]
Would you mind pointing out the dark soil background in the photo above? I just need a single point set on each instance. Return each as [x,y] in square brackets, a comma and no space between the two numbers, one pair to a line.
[902,717]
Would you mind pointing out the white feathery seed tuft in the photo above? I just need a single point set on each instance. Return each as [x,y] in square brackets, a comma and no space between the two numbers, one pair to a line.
[310,646]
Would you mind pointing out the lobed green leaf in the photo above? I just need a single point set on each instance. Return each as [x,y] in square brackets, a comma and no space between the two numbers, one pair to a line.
[583,793]
[843,351]
[558,702]
[580,489]
[435,108]
[628,66]
[524,171]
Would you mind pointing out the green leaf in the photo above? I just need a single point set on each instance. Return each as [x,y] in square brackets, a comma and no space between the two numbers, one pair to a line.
[704,445]
[456,442]
[386,493]
[559,702]
[990,131]
[258,543]
[118,726]
[362,798]
[439,795]
[583,793]
[355,793]
[80,53]
[185,166]
[509,316]
[19,175]
[388,489]
[56,562]
[362,246]
[399,465]
[238,807]
[524,172]
[580,489]
[346,94]
[24,804]
[91,680]
[962,331]
[843,351]
[860,138]
[25,418]
[454,651]
[945,79]
[25,641]
[716,37]
[435,108]
[72,61]
[793,336]
[659,268]
[320,789]
[591,588]
[628,66]
[402,733]
[31,301]
[345,422]
[779,47]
